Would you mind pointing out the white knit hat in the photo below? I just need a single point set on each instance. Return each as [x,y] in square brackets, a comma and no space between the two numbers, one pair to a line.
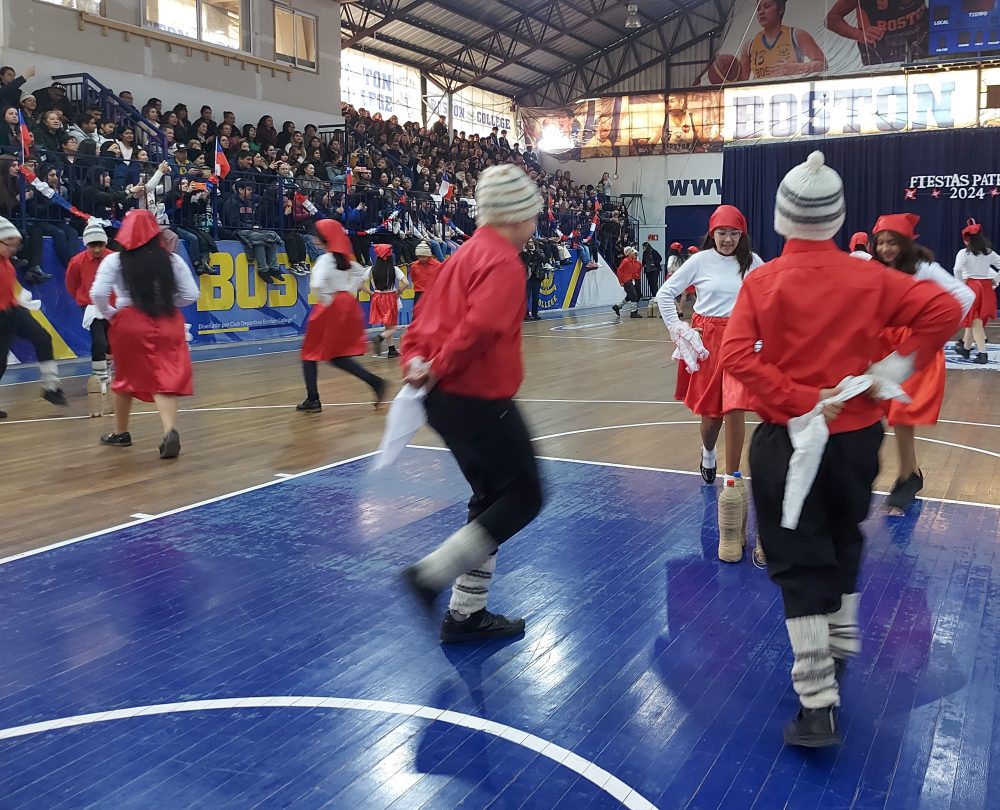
[7,230]
[94,232]
[423,249]
[505,195]
[810,203]
[630,251]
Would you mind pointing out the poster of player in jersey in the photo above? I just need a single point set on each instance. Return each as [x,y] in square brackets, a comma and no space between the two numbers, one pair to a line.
[778,39]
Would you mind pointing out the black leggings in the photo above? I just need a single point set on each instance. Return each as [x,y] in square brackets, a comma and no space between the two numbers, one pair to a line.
[17,322]
[310,370]
[491,444]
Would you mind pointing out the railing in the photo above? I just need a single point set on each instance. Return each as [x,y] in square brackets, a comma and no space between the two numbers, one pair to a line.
[83,90]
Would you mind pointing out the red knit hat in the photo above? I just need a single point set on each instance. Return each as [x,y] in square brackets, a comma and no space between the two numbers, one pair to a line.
[727,216]
[971,229]
[334,237]
[138,228]
[383,251]
[676,246]
[860,239]
[693,249]
[903,224]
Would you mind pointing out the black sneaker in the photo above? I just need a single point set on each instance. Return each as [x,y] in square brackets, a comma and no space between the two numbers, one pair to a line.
[56,396]
[814,728]
[35,275]
[964,352]
[617,310]
[707,473]
[480,626]
[310,406]
[982,358]
[636,315]
[3,414]
[117,439]
[170,447]
[392,352]
[959,345]
[904,492]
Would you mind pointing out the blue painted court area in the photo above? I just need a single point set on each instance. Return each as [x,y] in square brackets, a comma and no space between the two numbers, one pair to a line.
[649,672]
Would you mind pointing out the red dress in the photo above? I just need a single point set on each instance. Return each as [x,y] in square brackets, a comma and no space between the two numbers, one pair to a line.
[985,306]
[151,354]
[334,330]
[384,309]
[710,391]
[925,388]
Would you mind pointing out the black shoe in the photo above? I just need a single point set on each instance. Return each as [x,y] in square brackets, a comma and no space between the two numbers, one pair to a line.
[707,473]
[480,626]
[959,345]
[56,397]
[636,314]
[310,406]
[117,439]
[982,359]
[170,447]
[904,492]
[20,264]
[424,594]
[536,317]
[35,275]
[617,310]
[392,352]
[3,414]
[964,352]
[813,728]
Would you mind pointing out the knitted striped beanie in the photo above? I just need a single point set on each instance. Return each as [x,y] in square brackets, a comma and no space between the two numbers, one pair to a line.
[810,203]
[7,230]
[505,195]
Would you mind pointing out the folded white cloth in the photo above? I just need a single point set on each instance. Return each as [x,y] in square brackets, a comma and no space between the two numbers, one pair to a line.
[25,300]
[690,348]
[90,314]
[406,417]
[810,432]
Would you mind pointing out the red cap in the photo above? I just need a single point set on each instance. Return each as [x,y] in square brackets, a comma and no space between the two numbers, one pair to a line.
[676,246]
[334,237]
[138,228]
[903,224]
[383,251]
[693,249]
[971,229]
[728,216]
[860,239]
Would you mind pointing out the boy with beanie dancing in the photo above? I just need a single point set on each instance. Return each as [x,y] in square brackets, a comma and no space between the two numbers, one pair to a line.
[16,320]
[465,348]
[816,313]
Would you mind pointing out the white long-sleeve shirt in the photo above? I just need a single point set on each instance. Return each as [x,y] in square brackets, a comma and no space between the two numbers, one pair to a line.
[715,277]
[932,271]
[969,265]
[326,279]
[109,280]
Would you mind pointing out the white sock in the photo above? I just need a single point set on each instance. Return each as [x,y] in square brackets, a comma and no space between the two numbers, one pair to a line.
[707,458]
[471,589]
[813,671]
[50,375]
[845,635]
[99,367]
[465,549]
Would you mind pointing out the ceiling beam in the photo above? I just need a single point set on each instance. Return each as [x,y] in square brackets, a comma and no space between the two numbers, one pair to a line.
[391,13]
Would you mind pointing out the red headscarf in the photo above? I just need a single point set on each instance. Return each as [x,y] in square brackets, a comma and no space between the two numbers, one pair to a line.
[676,246]
[383,251]
[860,239]
[971,229]
[728,216]
[903,224]
[138,228]
[334,237]
[693,249]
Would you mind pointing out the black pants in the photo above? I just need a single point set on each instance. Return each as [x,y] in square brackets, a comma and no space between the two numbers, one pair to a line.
[493,449]
[311,372]
[99,345]
[631,292]
[17,322]
[815,564]
[653,281]
[295,247]
[534,293]
[362,244]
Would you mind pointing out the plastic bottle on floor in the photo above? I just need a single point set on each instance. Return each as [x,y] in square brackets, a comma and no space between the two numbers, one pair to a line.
[741,486]
[95,395]
[730,522]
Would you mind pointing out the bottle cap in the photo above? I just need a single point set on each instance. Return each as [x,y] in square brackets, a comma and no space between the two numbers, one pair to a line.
[737,474]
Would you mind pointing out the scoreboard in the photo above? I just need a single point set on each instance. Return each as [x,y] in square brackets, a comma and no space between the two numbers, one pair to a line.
[964,26]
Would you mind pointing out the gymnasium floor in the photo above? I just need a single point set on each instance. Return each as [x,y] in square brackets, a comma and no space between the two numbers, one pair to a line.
[228,629]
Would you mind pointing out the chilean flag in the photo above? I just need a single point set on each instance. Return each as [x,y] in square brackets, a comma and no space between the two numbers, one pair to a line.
[221,162]
[444,190]
[349,180]
[27,139]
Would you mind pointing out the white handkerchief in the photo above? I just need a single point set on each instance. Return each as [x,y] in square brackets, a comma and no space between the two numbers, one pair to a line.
[406,417]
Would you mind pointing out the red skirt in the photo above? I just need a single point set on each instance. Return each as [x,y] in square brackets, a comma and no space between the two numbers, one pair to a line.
[984,308]
[336,330]
[926,389]
[151,355]
[710,391]
[384,309]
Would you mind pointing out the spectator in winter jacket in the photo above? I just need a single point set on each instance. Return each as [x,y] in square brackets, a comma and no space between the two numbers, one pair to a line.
[11,84]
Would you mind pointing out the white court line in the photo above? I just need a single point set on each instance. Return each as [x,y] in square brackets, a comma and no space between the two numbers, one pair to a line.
[207,409]
[590,771]
[141,516]
[180,509]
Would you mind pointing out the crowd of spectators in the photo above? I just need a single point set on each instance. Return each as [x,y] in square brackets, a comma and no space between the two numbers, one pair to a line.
[379,177]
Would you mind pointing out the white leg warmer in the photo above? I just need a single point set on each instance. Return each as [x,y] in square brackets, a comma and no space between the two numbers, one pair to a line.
[845,635]
[813,671]
[50,374]
[460,553]
[471,589]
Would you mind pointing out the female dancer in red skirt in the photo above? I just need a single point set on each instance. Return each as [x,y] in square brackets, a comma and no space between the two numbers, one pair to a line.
[716,273]
[384,283]
[146,326]
[335,331]
[979,267]
[895,247]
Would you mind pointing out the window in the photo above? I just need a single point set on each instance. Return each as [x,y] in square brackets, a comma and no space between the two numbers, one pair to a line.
[90,6]
[225,23]
[295,38]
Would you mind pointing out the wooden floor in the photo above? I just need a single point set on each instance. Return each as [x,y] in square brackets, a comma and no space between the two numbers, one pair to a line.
[598,392]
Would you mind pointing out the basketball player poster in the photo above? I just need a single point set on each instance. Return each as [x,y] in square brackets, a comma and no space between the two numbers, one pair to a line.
[779,39]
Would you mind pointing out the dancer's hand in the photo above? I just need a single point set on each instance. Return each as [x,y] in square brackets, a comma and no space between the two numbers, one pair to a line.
[419,373]
[832,409]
